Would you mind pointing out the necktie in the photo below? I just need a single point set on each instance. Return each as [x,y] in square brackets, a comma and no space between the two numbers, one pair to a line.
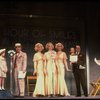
[15,65]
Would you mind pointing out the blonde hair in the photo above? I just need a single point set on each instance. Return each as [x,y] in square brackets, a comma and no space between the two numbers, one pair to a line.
[38,45]
[59,44]
[49,43]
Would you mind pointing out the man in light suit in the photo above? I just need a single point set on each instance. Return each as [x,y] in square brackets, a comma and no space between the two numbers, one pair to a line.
[20,64]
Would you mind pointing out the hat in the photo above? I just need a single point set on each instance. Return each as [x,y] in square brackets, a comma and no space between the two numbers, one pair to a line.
[2,50]
[18,45]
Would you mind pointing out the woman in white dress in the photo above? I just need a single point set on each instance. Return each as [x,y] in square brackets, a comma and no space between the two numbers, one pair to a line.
[39,70]
[61,61]
[51,70]
[3,68]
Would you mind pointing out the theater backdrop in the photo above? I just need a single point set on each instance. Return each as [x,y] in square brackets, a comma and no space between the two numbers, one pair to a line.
[70,23]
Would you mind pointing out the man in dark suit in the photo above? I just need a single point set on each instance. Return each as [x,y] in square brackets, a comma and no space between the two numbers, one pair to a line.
[79,72]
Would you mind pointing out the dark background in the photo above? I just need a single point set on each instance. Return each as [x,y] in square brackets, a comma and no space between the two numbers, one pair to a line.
[70,22]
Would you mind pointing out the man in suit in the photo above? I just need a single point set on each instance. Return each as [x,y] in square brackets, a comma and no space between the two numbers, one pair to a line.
[79,72]
[20,64]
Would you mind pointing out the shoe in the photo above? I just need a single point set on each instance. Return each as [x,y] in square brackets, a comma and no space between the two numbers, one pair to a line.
[15,95]
[34,95]
[86,95]
[78,95]
[0,88]
[49,95]
[3,88]
[21,96]
[67,95]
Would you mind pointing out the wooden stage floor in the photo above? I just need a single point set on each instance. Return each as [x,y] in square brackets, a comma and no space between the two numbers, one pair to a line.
[70,97]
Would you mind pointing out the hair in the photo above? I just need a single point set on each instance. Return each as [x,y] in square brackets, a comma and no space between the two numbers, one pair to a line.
[18,46]
[77,45]
[38,45]
[56,45]
[71,48]
[2,52]
[47,45]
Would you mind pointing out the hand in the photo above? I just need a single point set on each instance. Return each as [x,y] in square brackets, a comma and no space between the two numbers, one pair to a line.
[45,72]
[68,70]
[24,71]
[95,59]
[34,73]
[4,71]
[74,62]
[70,63]
[58,72]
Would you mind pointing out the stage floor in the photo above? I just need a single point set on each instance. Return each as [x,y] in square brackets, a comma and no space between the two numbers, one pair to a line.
[70,97]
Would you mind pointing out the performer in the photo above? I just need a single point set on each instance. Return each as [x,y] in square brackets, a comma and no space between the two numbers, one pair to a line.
[20,64]
[51,70]
[61,62]
[3,68]
[39,70]
[79,71]
[72,53]
[97,61]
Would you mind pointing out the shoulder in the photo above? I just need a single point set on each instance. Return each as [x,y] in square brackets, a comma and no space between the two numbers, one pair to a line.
[82,54]
[53,51]
[64,53]
[0,59]
[24,53]
[45,53]
[35,54]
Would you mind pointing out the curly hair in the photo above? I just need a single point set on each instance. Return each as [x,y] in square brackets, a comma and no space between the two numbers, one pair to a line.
[59,44]
[49,43]
[38,45]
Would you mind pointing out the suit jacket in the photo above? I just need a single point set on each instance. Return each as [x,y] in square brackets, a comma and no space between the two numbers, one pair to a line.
[81,61]
[20,61]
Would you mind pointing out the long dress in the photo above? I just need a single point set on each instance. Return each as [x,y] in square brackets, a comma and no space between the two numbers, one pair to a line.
[51,78]
[39,87]
[62,87]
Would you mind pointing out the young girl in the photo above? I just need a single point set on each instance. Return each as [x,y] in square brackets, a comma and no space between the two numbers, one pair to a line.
[3,68]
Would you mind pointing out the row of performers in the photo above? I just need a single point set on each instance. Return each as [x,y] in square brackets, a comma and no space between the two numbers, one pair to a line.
[48,67]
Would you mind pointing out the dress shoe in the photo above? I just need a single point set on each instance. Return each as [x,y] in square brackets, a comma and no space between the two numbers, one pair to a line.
[15,95]
[3,88]
[21,96]
[78,95]
[86,95]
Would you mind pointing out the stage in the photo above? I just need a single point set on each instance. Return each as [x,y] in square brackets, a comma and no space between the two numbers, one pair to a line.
[70,97]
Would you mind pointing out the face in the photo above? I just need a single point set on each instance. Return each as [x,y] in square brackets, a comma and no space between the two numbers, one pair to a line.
[18,49]
[50,47]
[59,47]
[3,54]
[72,50]
[78,49]
[40,48]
